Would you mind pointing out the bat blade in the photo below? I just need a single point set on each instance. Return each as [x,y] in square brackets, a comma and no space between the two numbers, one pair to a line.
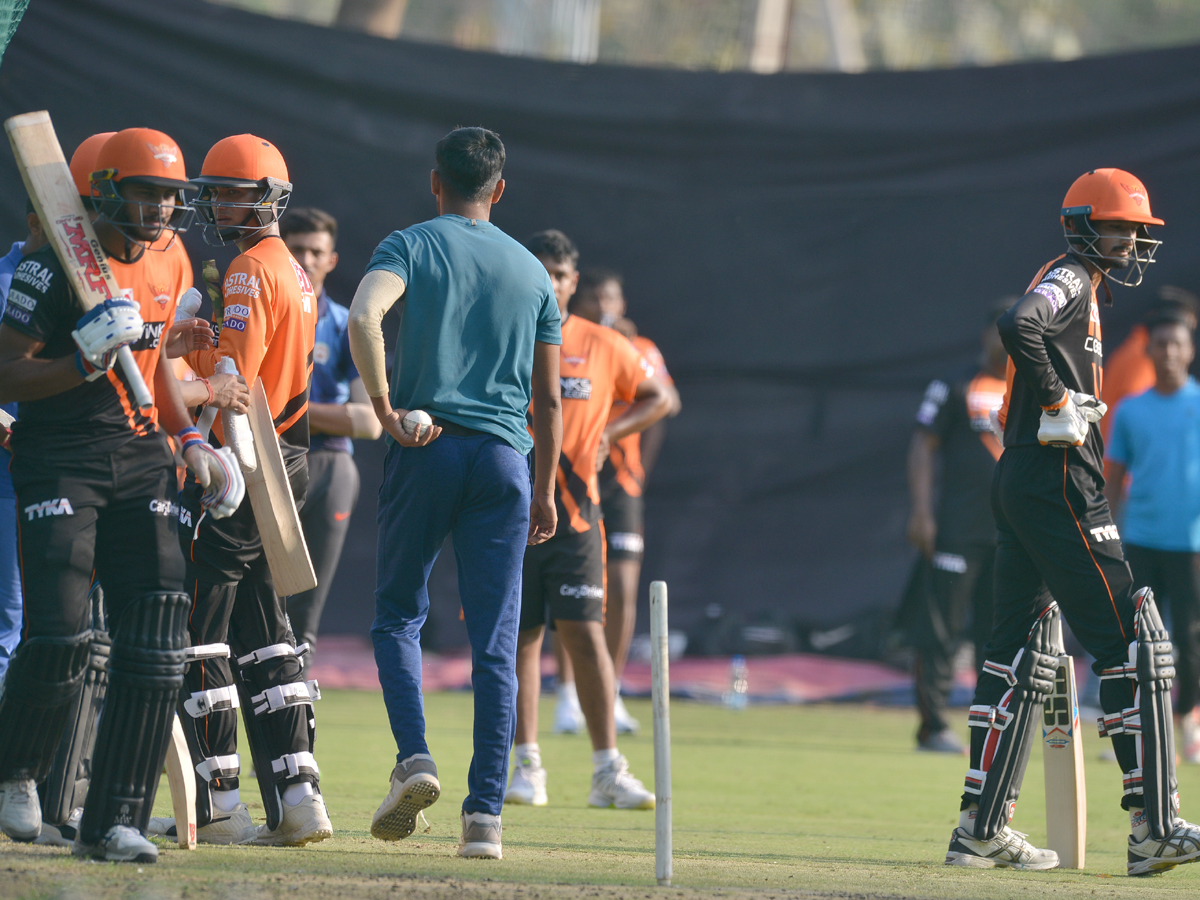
[182,780]
[67,225]
[1066,788]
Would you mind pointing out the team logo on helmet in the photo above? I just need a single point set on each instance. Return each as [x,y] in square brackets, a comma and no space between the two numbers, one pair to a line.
[167,154]
[1136,194]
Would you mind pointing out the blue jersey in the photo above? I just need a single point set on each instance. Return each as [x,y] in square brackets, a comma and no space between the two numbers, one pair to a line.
[8,265]
[1156,438]
[333,369]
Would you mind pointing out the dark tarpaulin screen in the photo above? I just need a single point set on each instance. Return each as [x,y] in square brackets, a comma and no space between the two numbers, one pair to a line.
[807,249]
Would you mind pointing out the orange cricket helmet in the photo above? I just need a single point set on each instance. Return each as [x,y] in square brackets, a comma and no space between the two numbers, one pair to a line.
[83,163]
[242,161]
[148,157]
[1110,195]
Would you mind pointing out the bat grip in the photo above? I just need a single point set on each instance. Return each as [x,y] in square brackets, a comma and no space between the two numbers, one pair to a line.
[141,394]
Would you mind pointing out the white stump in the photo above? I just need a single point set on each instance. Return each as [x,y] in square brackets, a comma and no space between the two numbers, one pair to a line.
[660,664]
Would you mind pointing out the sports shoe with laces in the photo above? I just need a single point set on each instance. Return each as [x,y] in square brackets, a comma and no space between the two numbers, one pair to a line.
[234,827]
[61,835]
[121,843]
[1008,850]
[480,836]
[20,811]
[944,741]
[527,785]
[305,823]
[1181,846]
[626,724]
[613,785]
[415,786]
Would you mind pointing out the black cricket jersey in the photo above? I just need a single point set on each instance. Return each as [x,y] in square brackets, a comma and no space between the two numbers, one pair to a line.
[957,410]
[95,414]
[1052,336]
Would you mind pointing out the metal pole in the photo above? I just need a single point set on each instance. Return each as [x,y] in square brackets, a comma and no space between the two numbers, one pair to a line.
[660,663]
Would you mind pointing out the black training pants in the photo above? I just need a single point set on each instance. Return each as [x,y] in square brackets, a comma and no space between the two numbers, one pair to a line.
[1174,576]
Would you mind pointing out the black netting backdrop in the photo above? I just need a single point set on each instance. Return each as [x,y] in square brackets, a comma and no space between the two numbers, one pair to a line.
[807,249]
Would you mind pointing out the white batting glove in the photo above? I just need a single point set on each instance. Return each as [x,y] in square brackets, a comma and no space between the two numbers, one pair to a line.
[217,472]
[1093,409]
[1067,426]
[106,328]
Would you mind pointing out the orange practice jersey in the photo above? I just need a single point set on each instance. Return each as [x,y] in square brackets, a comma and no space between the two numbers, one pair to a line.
[984,394]
[598,366]
[269,330]
[626,454]
[155,282]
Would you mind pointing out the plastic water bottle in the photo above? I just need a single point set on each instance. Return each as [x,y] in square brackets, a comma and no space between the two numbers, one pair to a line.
[735,697]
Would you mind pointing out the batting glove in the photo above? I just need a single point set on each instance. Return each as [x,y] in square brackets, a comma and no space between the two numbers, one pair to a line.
[106,328]
[217,472]
[1067,426]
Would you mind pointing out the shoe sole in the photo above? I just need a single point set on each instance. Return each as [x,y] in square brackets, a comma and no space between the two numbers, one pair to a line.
[605,803]
[170,834]
[1156,866]
[516,800]
[971,861]
[401,820]
[315,836]
[143,858]
[480,850]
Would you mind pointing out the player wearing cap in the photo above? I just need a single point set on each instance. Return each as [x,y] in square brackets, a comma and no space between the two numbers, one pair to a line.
[601,299]
[268,331]
[95,484]
[562,580]
[1057,540]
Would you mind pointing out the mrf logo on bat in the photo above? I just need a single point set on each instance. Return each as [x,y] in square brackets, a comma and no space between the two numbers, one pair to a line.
[87,254]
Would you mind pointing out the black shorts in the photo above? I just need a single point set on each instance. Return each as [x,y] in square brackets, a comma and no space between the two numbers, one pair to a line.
[564,579]
[623,522]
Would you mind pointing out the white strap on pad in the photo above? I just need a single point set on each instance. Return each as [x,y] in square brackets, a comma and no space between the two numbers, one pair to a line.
[203,703]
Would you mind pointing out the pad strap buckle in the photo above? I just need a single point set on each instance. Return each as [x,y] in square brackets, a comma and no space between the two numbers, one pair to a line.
[203,703]
[292,764]
[219,767]
[1127,721]
[282,696]
[974,781]
[989,717]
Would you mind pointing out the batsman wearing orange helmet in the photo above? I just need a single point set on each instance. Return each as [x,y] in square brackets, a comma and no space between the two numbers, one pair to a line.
[1058,550]
[95,484]
[268,331]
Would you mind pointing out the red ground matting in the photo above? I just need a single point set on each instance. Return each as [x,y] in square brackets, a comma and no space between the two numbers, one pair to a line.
[348,662]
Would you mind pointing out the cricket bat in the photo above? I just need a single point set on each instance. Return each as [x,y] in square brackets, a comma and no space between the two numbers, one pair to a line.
[67,225]
[182,780]
[274,507]
[1066,789]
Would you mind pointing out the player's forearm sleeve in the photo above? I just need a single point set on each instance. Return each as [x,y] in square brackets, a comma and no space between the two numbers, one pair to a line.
[377,293]
[1022,329]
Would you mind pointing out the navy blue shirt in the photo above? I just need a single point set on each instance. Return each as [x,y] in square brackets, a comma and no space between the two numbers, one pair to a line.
[475,303]
[333,369]
[8,265]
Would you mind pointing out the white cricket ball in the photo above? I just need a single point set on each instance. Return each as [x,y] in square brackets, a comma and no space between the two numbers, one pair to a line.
[417,423]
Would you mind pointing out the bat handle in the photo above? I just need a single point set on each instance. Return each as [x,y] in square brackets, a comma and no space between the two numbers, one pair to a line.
[141,393]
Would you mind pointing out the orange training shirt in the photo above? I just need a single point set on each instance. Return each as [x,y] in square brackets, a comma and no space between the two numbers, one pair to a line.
[269,330]
[626,454]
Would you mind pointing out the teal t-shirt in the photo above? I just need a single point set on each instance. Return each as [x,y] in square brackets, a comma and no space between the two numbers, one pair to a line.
[475,302]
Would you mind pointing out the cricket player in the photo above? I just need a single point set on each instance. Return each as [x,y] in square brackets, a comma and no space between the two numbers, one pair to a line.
[600,298]
[957,535]
[95,484]
[1057,540]
[563,579]
[268,331]
[478,341]
[338,410]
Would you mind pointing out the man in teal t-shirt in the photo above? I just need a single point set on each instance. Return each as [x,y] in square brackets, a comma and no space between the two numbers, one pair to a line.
[479,340]
[1155,440]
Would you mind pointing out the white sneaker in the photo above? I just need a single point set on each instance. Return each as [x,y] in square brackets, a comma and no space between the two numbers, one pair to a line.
[61,835]
[614,786]
[20,811]
[226,827]
[480,836]
[1007,850]
[121,843]
[305,823]
[415,786]
[626,724]
[1149,856]
[568,714]
[528,784]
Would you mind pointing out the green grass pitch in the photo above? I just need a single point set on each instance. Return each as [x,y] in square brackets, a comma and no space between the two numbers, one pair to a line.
[769,802]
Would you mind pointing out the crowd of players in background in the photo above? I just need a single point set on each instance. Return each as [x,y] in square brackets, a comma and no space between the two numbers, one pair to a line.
[280,324]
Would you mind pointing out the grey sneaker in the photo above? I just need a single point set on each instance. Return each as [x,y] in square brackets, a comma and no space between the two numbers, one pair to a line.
[1007,850]
[944,741]
[614,785]
[20,811]
[415,786]
[1150,856]
[226,828]
[121,843]
[480,836]
[61,835]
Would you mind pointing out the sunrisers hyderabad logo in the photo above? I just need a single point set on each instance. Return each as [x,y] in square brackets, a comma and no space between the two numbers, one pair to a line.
[162,295]
[1135,192]
[167,154]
